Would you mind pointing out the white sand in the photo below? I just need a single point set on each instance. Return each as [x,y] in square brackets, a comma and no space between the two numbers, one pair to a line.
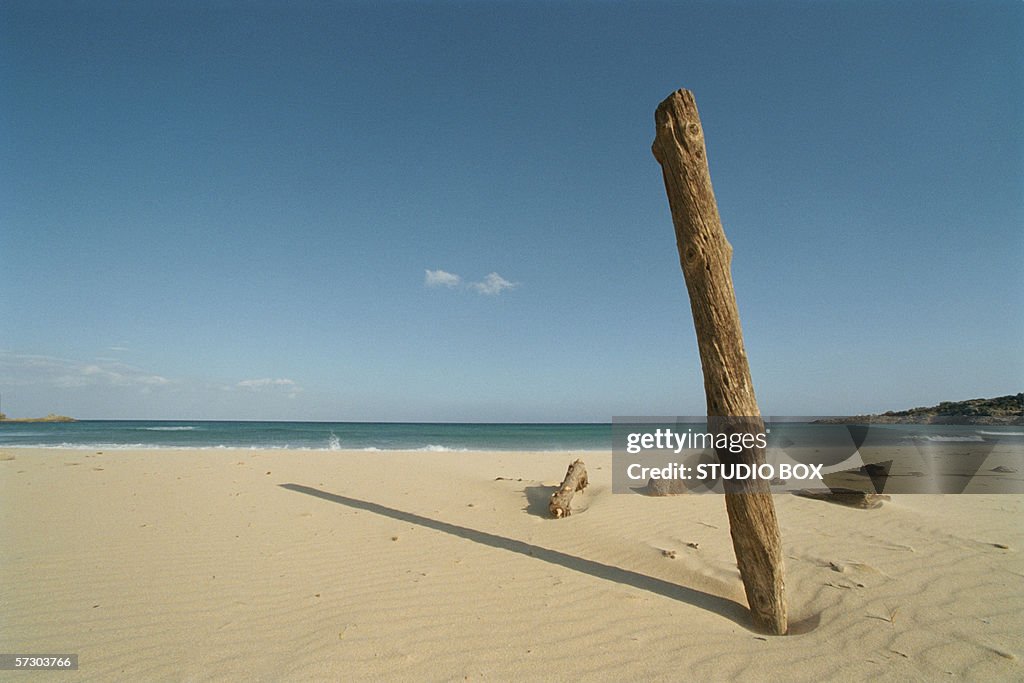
[200,565]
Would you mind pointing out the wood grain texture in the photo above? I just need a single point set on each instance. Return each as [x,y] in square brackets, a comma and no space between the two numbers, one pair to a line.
[705,256]
[575,480]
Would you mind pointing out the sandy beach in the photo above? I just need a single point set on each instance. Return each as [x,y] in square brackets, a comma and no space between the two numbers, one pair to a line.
[300,565]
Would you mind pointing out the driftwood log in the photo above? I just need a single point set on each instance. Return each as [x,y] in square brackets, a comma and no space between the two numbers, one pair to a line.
[848,497]
[575,480]
[706,256]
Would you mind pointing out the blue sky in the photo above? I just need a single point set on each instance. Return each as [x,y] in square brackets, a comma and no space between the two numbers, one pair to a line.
[449,211]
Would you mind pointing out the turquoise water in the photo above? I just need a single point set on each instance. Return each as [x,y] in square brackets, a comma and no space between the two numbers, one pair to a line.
[385,436]
[111,434]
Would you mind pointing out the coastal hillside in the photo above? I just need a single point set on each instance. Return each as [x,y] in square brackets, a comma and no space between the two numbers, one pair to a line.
[1004,410]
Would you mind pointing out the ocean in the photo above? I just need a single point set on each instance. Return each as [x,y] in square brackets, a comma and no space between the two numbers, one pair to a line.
[330,436]
[388,436]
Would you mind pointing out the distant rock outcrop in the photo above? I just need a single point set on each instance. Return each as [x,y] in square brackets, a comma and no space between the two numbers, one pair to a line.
[49,418]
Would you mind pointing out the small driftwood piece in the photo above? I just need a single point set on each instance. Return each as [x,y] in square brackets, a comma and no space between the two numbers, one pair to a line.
[575,480]
[848,497]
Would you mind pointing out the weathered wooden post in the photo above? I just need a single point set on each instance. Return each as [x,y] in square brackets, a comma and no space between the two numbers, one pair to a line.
[705,256]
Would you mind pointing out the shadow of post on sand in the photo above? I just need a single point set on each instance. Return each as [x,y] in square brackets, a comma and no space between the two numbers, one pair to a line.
[713,603]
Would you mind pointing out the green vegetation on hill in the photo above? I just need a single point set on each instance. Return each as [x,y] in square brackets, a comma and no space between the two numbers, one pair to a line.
[1004,410]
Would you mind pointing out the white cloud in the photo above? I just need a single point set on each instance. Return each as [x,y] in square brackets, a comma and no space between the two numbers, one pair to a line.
[266,382]
[115,374]
[441,278]
[493,284]
[290,387]
[93,387]
[32,370]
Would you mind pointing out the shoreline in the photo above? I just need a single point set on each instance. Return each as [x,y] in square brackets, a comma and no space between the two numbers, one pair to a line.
[112,449]
[299,565]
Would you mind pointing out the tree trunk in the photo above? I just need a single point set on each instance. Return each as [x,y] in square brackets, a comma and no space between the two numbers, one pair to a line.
[705,256]
[575,480]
